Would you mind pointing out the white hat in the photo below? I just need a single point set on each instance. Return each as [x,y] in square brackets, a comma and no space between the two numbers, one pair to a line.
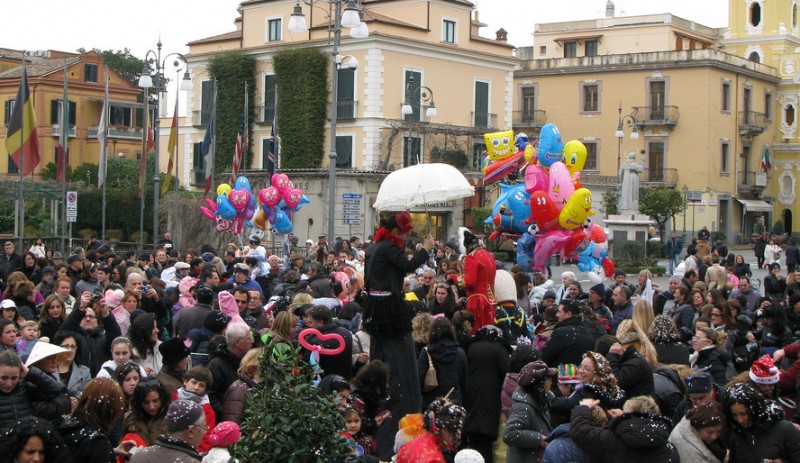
[505,290]
[8,304]
[182,266]
[42,350]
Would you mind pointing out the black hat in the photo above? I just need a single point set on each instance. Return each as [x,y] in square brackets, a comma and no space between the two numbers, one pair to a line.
[465,239]
[549,294]
[72,258]
[599,289]
[215,321]
[173,351]
[204,294]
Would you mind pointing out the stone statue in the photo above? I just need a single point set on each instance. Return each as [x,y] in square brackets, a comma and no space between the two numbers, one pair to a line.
[629,192]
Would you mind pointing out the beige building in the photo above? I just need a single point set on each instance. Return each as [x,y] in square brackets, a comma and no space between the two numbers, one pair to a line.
[702,115]
[431,43]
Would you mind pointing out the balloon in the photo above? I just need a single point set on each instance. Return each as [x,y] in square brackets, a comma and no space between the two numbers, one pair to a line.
[577,242]
[551,148]
[344,279]
[586,259]
[574,156]
[525,246]
[499,144]
[521,141]
[499,169]
[242,183]
[543,211]
[208,213]
[511,208]
[547,244]
[282,222]
[269,196]
[608,266]
[280,181]
[337,349]
[577,209]
[530,155]
[536,178]
[223,225]
[223,189]
[259,219]
[237,225]
[560,187]
[224,208]
[293,197]
[269,212]
[303,200]
[239,199]
[248,212]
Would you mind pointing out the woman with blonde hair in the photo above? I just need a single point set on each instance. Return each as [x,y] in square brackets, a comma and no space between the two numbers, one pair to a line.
[240,391]
[643,315]
[629,333]
[421,330]
[284,328]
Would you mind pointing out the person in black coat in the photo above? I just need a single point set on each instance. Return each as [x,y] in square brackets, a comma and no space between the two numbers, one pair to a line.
[319,318]
[35,393]
[792,253]
[759,247]
[708,356]
[775,284]
[597,382]
[667,341]
[84,321]
[449,360]
[634,374]
[224,363]
[569,340]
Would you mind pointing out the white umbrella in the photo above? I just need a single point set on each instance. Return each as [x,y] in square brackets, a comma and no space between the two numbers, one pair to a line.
[421,184]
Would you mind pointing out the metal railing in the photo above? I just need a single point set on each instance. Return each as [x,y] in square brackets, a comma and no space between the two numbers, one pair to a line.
[73,131]
[666,176]
[751,179]
[656,115]
[265,114]
[752,121]
[534,118]
[127,133]
[346,110]
[484,120]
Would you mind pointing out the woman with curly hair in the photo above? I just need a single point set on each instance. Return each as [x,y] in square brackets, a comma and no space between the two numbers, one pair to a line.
[31,440]
[148,407]
[629,333]
[52,316]
[666,339]
[144,337]
[597,381]
[444,421]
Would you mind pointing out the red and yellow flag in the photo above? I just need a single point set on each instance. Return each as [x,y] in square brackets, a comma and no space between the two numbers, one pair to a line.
[22,139]
[172,149]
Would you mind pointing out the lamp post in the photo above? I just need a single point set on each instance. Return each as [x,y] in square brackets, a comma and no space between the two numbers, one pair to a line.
[424,94]
[685,191]
[358,28]
[153,76]
[622,122]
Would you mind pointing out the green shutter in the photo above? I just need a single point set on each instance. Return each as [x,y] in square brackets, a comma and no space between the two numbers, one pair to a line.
[481,104]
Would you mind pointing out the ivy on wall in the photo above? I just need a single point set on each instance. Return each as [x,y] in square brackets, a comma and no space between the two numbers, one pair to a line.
[232,70]
[302,79]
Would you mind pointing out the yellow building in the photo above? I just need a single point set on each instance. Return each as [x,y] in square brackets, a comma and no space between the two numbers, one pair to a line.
[432,43]
[700,114]
[86,89]
[769,33]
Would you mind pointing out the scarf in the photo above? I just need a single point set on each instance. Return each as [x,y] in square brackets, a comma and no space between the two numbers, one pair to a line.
[386,235]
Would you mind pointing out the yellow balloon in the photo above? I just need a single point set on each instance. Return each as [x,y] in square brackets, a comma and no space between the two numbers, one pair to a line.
[260,219]
[530,155]
[577,209]
[499,145]
[574,156]
[223,189]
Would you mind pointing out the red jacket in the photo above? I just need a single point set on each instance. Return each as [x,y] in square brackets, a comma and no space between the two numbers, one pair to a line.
[479,272]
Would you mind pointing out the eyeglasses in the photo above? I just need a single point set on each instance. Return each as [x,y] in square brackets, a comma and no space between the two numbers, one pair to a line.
[69,346]
[203,426]
[241,301]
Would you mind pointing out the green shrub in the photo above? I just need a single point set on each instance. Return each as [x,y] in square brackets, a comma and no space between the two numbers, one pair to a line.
[717,235]
[777,228]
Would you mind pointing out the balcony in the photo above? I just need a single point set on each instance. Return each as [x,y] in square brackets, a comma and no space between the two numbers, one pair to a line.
[751,182]
[483,120]
[265,115]
[752,123]
[346,110]
[73,131]
[662,116]
[664,177]
[118,132]
[200,118]
[534,119]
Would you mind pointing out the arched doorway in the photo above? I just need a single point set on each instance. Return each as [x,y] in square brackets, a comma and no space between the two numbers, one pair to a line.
[787,221]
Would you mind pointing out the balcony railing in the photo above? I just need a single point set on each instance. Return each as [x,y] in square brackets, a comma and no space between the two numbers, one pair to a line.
[663,177]
[119,132]
[200,118]
[265,114]
[752,123]
[656,115]
[484,120]
[748,180]
[536,118]
[73,131]
[346,110]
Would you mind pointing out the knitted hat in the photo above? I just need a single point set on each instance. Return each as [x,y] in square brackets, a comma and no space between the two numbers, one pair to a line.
[215,321]
[550,315]
[505,290]
[764,371]
[534,372]
[182,414]
[599,289]
[549,294]
[207,256]
[468,456]
[568,374]
[224,434]
[173,351]
[699,383]
[114,298]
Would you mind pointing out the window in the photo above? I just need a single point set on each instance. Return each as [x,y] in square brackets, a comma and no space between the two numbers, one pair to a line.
[206,101]
[591,48]
[448,31]
[658,100]
[55,112]
[478,148]
[198,165]
[755,14]
[726,96]
[411,151]
[482,117]
[12,167]
[9,108]
[274,30]
[266,148]
[270,95]
[119,116]
[754,57]
[90,73]
[724,159]
[590,97]
[543,49]
[655,161]
[412,94]
[788,115]
[344,151]
[570,49]
[346,109]
[591,155]
[528,104]
[768,105]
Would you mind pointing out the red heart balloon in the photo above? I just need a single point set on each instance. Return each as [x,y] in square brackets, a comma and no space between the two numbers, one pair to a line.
[239,199]
[321,337]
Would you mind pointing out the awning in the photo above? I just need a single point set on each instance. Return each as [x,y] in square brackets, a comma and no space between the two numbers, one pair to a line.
[120,103]
[755,205]
[579,38]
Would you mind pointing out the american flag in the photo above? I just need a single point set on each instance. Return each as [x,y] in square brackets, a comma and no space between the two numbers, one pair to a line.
[242,140]
[273,148]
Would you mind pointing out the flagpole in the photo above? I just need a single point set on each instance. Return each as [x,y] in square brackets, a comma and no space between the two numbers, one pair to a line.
[142,173]
[104,154]
[63,160]
[22,161]
[177,156]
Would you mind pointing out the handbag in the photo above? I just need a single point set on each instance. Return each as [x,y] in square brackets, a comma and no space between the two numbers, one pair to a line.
[431,382]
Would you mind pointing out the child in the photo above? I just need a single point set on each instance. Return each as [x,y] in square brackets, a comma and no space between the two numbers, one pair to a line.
[195,384]
[223,435]
[121,349]
[28,336]
[353,426]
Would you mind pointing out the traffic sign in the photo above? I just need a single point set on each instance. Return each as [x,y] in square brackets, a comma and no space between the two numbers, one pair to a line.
[351,208]
[72,206]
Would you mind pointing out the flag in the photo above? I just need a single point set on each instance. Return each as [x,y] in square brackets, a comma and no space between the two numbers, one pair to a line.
[62,160]
[242,140]
[207,147]
[102,137]
[149,145]
[273,149]
[62,148]
[172,148]
[22,139]
[766,158]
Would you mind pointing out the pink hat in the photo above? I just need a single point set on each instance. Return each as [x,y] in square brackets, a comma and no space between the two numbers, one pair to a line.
[764,371]
[224,434]
[114,298]
[227,304]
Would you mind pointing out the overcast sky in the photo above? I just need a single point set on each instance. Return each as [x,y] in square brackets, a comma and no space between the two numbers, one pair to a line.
[69,25]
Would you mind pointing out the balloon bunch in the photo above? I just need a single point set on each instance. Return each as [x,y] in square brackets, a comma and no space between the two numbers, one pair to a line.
[278,201]
[233,207]
[551,198]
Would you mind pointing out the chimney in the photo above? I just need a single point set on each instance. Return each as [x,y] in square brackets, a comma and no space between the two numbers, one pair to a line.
[609,9]
[501,35]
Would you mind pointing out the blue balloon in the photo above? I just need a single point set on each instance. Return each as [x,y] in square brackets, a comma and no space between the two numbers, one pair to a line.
[525,246]
[303,200]
[224,208]
[551,148]
[511,209]
[282,222]
[586,260]
[521,141]
[242,183]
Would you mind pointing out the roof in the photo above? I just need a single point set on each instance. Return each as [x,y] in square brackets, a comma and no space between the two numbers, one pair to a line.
[218,38]
[41,67]
[11,54]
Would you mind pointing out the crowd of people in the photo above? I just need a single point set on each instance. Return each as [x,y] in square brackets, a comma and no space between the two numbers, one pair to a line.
[447,355]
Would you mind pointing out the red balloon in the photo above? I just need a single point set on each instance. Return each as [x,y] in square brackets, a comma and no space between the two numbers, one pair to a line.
[543,211]
[322,337]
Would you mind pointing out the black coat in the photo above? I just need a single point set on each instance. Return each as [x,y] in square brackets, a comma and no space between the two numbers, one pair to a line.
[673,352]
[568,343]
[633,372]
[564,405]
[386,265]
[38,394]
[487,363]
[716,363]
[339,364]
[775,287]
[223,365]
[771,440]
[9,264]
[451,371]
[96,346]
[88,444]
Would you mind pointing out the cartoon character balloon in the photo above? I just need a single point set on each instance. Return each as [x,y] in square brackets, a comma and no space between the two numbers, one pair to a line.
[551,148]
[574,157]
[511,208]
[577,209]
[560,187]
[499,145]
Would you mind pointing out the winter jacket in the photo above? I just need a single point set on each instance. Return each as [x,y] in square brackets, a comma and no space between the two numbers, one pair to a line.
[38,394]
[715,362]
[743,269]
[9,264]
[528,424]
[673,352]
[664,303]
[167,450]
[683,315]
[339,364]
[96,344]
[568,343]
[148,430]
[690,447]
[628,438]
[771,440]
[487,366]
[78,380]
[561,448]
[223,365]
[775,287]
[451,371]
[668,391]
[189,318]
[236,399]
[633,373]
[624,312]
[87,443]
[170,379]
[509,386]
[771,339]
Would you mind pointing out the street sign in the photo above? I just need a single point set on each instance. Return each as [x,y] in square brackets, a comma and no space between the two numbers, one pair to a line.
[72,206]
[351,209]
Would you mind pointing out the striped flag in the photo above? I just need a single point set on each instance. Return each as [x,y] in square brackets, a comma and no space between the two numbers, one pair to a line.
[207,147]
[242,140]
[62,147]
[149,145]
[22,139]
[102,137]
[766,158]
[172,148]
[273,149]
[62,160]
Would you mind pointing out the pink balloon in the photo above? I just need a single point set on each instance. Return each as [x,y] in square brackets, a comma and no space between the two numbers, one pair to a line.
[547,244]
[322,338]
[560,188]
[239,199]
[280,181]
[536,178]
[269,196]
[208,213]
[292,197]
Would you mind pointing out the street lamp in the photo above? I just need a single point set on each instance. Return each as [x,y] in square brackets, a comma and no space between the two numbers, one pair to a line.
[350,19]
[624,121]
[424,94]
[685,191]
[153,76]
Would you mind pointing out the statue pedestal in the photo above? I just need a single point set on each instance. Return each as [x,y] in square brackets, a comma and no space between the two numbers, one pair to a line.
[628,227]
